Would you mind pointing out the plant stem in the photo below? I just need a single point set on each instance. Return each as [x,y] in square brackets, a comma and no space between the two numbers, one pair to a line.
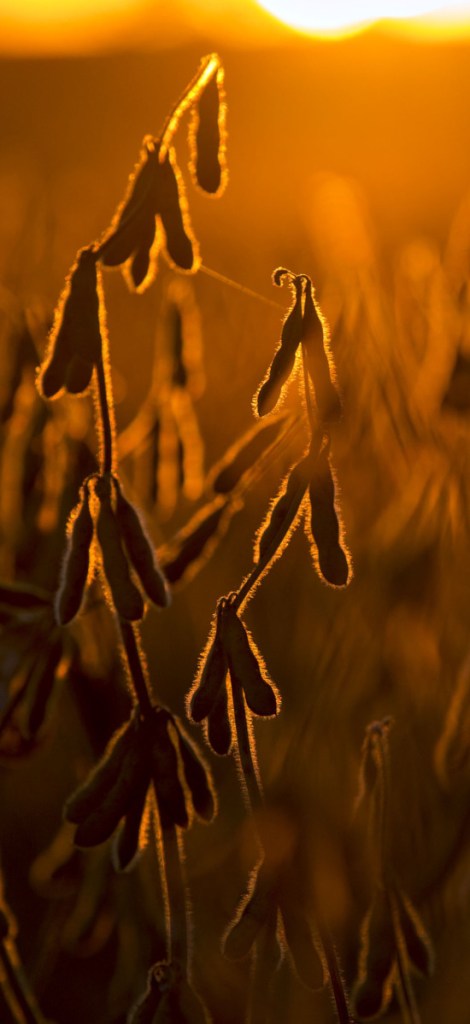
[209,67]
[336,982]
[308,397]
[245,752]
[178,945]
[137,671]
[22,996]
[104,404]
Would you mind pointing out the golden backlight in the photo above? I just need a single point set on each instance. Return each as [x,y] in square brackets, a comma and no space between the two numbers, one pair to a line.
[341,17]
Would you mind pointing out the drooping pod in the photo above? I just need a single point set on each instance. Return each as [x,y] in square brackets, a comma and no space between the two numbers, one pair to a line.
[75,339]
[76,565]
[127,599]
[207,137]
[246,666]
[329,554]
[207,700]
[252,914]
[140,550]
[180,243]
[270,390]
[277,527]
[197,776]
[133,227]
[319,360]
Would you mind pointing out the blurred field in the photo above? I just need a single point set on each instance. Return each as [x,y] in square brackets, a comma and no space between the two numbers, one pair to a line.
[349,163]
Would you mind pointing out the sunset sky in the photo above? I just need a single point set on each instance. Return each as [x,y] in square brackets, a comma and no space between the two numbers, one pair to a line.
[51,26]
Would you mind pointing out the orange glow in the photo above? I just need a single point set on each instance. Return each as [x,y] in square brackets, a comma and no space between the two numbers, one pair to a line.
[343,17]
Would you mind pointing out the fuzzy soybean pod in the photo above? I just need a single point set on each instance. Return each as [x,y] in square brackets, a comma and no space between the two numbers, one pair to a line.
[171,208]
[319,361]
[275,531]
[169,792]
[207,137]
[127,599]
[127,839]
[282,365]
[41,685]
[246,666]
[324,524]
[251,916]
[76,563]
[219,726]
[140,550]
[210,679]
[377,961]
[133,228]
[197,777]
[75,339]
[89,796]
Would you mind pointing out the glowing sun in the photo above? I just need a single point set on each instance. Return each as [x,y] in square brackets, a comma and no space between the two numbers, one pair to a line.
[341,16]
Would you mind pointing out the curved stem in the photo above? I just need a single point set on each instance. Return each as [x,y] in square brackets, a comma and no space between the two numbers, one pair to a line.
[209,67]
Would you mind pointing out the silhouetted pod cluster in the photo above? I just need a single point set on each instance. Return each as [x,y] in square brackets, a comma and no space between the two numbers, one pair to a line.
[169,997]
[394,941]
[153,752]
[391,931]
[75,344]
[230,653]
[154,216]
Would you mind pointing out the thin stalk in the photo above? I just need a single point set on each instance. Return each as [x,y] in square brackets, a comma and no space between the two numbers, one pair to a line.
[135,664]
[104,405]
[338,990]
[247,763]
[308,397]
[177,900]
[22,996]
